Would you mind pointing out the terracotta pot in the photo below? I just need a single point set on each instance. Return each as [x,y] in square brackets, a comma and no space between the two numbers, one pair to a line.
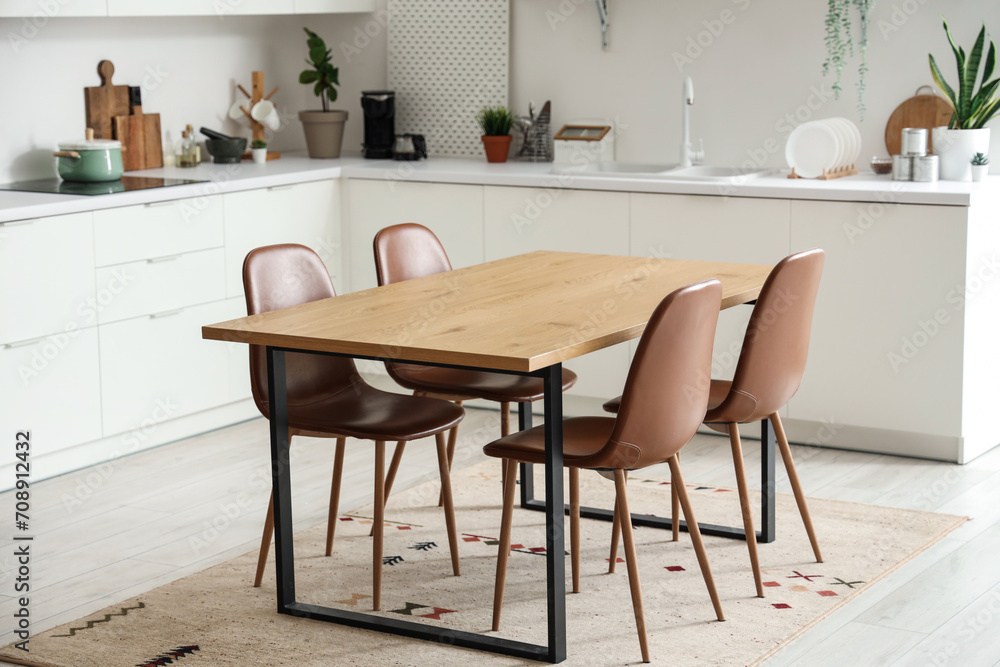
[497,147]
[324,132]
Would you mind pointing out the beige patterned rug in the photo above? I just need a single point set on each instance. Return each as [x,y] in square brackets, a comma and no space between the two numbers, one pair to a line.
[215,618]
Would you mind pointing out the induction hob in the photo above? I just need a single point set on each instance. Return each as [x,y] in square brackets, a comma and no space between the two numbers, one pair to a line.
[125,184]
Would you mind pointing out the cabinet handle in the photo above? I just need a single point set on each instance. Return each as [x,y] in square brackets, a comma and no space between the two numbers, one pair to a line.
[280,187]
[24,343]
[17,223]
[156,204]
[157,260]
[166,313]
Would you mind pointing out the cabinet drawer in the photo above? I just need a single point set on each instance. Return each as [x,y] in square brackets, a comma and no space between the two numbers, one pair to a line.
[161,284]
[158,367]
[47,270]
[159,229]
[53,388]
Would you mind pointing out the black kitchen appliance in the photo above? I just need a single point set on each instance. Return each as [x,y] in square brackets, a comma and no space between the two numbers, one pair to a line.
[125,184]
[380,123]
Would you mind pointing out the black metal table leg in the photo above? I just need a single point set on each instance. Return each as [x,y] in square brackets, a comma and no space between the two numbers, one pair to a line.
[765,535]
[281,481]
[555,545]
[527,478]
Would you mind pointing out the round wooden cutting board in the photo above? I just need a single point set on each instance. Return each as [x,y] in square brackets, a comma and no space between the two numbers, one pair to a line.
[919,111]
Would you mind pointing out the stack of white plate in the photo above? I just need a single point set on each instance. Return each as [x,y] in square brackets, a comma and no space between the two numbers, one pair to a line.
[823,145]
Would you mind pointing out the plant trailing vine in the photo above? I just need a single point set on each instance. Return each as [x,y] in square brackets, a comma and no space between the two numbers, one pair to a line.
[840,43]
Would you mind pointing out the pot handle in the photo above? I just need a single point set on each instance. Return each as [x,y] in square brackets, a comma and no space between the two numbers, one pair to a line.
[72,154]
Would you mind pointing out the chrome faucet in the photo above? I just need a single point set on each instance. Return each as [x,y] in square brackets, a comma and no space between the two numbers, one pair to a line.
[689,156]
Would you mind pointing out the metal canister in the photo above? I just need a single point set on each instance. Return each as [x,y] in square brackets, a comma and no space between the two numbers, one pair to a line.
[902,167]
[914,141]
[925,168]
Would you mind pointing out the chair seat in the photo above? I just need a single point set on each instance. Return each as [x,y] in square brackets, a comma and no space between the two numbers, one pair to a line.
[462,382]
[362,411]
[582,438]
[716,394]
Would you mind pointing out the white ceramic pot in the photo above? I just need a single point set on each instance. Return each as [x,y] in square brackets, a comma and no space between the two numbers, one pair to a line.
[979,171]
[957,148]
[259,155]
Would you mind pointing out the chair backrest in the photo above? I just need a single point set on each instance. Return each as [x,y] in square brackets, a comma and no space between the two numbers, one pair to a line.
[776,345]
[667,389]
[408,251]
[279,276]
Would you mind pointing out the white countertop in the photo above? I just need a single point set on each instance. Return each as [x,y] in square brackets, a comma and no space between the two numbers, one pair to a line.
[297,168]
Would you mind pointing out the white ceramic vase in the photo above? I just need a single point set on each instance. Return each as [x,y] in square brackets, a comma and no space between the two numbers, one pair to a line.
[259,155]
[979,172]
[956,149]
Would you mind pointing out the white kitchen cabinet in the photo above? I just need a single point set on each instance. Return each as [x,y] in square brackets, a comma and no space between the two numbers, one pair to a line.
[158,229]
[713,229]
[306,213]
[453,212]
[520,220]
[38,13]
[47,270]
[161,284]
[52,387]
[887,339]
[219,8]
[158,367]
[334,6]
[237,354]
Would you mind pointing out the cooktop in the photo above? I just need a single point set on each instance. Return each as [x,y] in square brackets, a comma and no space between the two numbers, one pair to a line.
[125,184]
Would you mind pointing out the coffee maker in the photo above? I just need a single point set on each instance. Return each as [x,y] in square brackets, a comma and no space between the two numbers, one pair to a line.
[379,107]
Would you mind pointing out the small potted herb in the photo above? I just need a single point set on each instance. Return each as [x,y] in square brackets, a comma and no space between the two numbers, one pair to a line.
[495,123]
[980,166]
[259,151]
[324,129]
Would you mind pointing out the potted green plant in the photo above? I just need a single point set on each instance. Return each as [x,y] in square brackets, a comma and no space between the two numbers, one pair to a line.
[967,133]
[495,122]
[324,129]
[258,149]
[980,166]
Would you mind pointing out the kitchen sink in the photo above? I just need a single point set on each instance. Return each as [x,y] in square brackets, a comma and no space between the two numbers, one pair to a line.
[663,171]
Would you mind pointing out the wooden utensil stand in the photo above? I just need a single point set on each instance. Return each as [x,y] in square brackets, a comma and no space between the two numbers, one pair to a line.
[257,86]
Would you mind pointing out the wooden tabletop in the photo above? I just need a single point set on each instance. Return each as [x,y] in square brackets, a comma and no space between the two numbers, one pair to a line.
[522,313]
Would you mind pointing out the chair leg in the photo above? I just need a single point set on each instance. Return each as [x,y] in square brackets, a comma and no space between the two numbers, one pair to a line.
[452,441]
[699,545]
[630,562]
[265,542]
[449,505]
[379,524]
[397,456]
[793,478]
[504,432]
[675,524]
[338,471]
[503,551]
[741,485]
[616,528]
[574,525]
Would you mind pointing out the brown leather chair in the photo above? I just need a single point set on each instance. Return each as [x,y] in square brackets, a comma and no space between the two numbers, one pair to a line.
[407,251]
[327,398]
[664,401]
[768,374]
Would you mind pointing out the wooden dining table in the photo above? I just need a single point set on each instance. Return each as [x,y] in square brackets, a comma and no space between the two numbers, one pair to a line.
[523,315]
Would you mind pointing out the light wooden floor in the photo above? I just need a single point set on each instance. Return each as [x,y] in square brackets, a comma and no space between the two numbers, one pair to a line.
[105,534]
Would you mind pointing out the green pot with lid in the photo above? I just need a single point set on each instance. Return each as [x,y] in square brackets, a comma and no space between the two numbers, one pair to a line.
[90,160]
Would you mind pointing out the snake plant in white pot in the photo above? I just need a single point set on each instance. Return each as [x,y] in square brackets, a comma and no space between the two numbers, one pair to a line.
[967,133]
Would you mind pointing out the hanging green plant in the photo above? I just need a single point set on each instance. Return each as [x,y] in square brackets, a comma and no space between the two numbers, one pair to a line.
[840,43]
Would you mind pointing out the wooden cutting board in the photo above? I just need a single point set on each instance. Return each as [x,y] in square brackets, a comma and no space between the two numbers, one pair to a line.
[142,147]
[104,102]
[925,111]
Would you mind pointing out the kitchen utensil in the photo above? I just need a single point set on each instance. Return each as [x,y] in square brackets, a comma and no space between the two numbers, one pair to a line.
[881,165]
[902,168]
[104,102]
[925,168]
[920,111]
[89,161]
[142,146]
[212,134]
[264,113]
[913,141]
[226,151]
[812,149]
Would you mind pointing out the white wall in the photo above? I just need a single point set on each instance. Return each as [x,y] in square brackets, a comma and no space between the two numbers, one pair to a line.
[764,64]
[188,68]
